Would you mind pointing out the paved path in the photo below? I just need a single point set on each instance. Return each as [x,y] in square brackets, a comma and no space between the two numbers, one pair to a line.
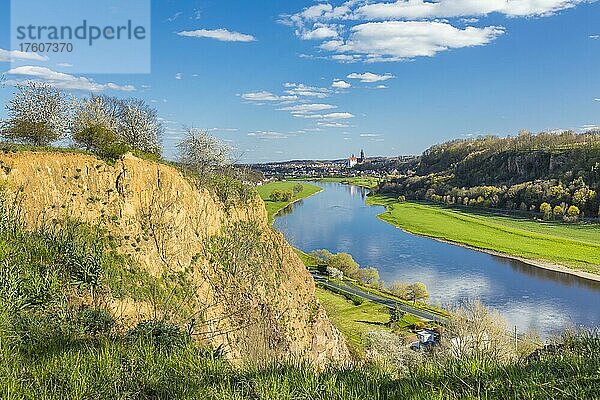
[380,300]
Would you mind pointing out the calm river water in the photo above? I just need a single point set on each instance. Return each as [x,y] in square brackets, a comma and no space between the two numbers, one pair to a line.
[338,220]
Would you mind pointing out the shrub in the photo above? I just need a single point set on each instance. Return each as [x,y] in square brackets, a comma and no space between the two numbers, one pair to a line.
[228,189]
[129,122]
[417,291]
[95,321]
[400,289]
[160,334]
[101,141]
[546,210]
[396,315]
[369,276]
[201,153]
[345,263]
[282,196]
[572,214]
[558,211]
[334,273]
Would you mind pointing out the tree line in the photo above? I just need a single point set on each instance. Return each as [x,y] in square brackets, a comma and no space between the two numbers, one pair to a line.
[338,266]
[555,175]
[109,127]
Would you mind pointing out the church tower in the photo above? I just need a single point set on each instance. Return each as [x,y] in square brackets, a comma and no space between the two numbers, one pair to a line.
[362,156]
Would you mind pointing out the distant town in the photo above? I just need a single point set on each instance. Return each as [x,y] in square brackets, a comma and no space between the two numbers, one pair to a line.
[351,166]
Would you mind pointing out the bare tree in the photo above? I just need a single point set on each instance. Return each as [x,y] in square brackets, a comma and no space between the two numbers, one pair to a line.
[37,114]
[474,331]
[201,153]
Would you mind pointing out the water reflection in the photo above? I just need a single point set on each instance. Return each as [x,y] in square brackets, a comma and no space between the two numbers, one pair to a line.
[337,219]
[289,209]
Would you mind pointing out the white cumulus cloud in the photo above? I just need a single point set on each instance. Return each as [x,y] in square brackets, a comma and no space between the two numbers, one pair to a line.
[65,81]
[265,96]
[300,89]
[222,35]
[15,55]
[340,115]
[341,84]
[369,77]
[418,9]
[318,32]
[308,108]
[380,31]
[400,40]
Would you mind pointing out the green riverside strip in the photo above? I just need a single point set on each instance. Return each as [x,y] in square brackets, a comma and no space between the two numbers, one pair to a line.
[574,246]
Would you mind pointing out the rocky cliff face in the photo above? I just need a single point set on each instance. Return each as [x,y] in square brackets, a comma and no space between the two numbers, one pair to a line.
[169,227]
[509,167]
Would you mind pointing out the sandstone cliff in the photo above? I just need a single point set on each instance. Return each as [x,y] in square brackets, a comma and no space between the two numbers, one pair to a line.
[171,228]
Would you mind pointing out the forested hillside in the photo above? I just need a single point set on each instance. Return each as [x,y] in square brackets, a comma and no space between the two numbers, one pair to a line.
[555,174]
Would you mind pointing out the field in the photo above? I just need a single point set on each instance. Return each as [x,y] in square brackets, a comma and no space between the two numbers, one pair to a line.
[273,207]
[575,246]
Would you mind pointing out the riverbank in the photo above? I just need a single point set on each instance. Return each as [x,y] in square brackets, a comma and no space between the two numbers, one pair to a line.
[367,182]
[570,249]
[274,207]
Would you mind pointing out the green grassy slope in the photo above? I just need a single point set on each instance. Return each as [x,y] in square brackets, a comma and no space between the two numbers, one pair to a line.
[273,207]
[576,246]
[353,321]
[121,369]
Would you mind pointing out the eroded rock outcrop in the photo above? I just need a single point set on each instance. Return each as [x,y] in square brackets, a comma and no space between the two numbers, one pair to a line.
[164,222]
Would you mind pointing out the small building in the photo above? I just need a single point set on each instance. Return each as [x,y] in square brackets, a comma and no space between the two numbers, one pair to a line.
[425,339]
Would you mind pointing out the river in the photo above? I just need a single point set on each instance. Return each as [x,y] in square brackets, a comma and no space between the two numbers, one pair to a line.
[337,219]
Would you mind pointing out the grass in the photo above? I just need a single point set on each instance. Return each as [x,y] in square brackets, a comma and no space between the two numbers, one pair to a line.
[364,181]
[574,246]
[273,207]
[353,321]
[115,370]
[309,261]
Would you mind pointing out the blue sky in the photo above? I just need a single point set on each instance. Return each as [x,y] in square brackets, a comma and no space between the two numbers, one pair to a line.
[408,74]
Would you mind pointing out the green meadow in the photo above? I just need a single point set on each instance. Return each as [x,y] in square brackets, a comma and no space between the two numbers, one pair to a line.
[576,246]
[273,207]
